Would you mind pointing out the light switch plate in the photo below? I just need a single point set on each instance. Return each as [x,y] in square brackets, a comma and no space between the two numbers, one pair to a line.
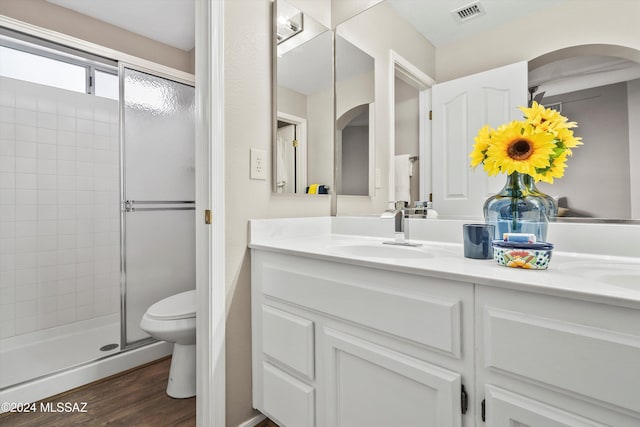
[258,164]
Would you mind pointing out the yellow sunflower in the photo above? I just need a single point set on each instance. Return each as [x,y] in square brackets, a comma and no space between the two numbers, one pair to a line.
[546,119]
[554,170]
[519,147]
[568,139]
[483,140]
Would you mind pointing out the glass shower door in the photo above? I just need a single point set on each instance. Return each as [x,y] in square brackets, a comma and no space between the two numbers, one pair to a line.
[158,194]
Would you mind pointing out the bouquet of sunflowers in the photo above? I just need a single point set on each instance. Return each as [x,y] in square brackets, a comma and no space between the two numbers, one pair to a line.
[537,146]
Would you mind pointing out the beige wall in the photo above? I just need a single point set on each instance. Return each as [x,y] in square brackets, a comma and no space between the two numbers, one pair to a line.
[292,102]
[248,124]
[66,21]
[572,23]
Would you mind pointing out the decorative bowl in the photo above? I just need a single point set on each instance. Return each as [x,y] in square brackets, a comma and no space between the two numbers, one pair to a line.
[532,256]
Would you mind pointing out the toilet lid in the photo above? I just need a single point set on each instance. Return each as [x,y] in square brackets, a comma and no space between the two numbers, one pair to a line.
[179,306]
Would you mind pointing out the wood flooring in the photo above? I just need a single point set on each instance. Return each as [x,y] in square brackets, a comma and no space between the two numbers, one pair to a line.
[136,398]
[267,423]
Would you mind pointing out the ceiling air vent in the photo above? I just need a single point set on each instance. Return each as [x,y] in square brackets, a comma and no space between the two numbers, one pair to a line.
[470,11]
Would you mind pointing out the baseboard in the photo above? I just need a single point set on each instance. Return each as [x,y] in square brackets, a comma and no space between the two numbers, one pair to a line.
[253,421]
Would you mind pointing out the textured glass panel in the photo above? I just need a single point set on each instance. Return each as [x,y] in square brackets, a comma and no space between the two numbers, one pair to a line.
[39,69]
[161,261]
[159,138]
[159,165]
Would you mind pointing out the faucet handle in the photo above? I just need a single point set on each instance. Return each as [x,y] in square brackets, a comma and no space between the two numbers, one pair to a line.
[400,204]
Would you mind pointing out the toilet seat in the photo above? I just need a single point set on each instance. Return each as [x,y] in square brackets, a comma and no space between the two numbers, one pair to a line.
[175,307]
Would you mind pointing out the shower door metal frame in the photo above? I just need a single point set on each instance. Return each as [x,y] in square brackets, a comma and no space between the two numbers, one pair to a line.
[127,206]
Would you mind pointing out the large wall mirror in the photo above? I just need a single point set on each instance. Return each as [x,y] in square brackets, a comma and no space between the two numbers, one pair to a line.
[606,109]
[302,142]
[355,136]
[599,89]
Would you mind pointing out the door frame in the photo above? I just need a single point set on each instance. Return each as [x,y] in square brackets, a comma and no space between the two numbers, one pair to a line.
[405,70]
[210,239]
[301,152]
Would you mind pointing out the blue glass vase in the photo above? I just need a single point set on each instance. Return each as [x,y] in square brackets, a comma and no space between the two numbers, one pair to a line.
[520,208]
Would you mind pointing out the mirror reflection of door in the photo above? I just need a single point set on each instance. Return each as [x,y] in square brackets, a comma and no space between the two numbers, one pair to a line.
[290,155]
[353,139]
[407,141]
[411,177]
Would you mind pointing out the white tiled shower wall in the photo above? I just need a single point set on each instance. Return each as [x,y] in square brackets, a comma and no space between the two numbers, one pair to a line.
[59,207]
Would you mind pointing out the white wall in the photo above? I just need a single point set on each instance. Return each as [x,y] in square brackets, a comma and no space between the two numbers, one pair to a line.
[353,92]
[320,138]
[292,102]
[59,207]
[595,187]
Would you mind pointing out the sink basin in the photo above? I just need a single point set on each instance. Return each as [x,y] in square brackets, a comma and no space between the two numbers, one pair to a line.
[622,280]
[622,275]
[380,250]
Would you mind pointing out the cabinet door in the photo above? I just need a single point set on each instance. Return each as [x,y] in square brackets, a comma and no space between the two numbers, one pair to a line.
[508,409]
[369,385]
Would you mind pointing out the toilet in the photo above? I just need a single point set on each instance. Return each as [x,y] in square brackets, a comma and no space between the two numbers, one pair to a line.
[173,319]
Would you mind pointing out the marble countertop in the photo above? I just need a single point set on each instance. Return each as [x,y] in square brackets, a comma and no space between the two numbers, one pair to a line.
[597,278]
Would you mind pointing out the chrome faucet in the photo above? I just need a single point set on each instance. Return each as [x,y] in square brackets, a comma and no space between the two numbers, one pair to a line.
[401,211]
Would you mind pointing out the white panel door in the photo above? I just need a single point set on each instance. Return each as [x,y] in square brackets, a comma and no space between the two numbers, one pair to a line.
[373,386]
[460,108]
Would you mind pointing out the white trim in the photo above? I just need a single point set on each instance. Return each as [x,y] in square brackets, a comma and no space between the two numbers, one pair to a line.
[253,421]
[210,239]
[372,149]
[76,43]
[425,141]
[403,69]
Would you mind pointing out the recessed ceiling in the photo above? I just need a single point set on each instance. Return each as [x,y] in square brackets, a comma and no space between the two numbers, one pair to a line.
[171,22]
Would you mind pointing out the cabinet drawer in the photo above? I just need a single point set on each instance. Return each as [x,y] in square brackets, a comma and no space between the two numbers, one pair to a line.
[288,339]
[505,408]
[423,310]
[588,349]
[288,401]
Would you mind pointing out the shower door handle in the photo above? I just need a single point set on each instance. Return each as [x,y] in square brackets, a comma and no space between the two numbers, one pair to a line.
[158,205]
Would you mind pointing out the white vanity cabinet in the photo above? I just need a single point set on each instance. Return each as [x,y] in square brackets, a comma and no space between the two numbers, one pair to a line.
[353,343]
[546,361]
[345,345]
